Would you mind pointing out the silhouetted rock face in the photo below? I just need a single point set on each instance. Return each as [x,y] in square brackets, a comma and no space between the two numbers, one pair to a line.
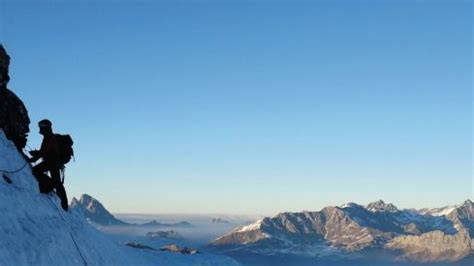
[94,211]
[14,118]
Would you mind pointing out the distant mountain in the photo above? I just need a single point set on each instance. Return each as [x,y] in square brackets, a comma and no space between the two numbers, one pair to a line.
[94,211]
[424,235]
[164,234]
[155,223]
[219,220]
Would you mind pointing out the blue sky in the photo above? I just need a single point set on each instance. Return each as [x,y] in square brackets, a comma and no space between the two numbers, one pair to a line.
[251,107]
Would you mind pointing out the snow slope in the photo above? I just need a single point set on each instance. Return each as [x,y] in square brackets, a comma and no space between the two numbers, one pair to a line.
[34,230]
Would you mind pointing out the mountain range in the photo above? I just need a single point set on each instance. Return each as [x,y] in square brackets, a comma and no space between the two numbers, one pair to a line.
[427,235]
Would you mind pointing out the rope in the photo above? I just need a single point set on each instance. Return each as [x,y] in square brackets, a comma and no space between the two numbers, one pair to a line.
[15,171]
[52,203]
[78,250]
[70,232]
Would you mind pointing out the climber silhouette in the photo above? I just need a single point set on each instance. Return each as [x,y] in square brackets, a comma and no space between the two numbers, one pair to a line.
[50,152]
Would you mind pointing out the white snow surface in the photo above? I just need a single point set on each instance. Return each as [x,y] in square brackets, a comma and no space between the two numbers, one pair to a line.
[36,231]
[440,211]
[251,227]
[349,205]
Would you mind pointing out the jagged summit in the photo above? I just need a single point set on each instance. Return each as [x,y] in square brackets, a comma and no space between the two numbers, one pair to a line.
[468,203]
[87,197]
[94,211]
[381,206]
[86,200]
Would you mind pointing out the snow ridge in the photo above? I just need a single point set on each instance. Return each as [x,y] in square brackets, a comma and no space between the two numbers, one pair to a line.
[251,227]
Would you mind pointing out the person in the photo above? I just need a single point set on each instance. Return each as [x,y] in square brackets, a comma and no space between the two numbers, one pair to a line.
[14,120]
[49,152]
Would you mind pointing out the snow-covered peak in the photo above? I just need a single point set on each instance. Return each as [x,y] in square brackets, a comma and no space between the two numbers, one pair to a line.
[381,206]
[468,203]
[349,205]
[444,211]
[86,198]
[251,227]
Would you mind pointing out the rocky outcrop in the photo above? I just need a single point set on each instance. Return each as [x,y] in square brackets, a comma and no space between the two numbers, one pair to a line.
[177,249]
[463,217]
[164,234]
[344,232]
[168,248]
[433,246]
[139,246]
[14,118]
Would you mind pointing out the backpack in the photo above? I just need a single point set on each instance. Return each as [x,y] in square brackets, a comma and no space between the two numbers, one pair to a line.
[64,148]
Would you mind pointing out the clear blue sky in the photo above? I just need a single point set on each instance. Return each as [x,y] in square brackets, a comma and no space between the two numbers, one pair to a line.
[251,107]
